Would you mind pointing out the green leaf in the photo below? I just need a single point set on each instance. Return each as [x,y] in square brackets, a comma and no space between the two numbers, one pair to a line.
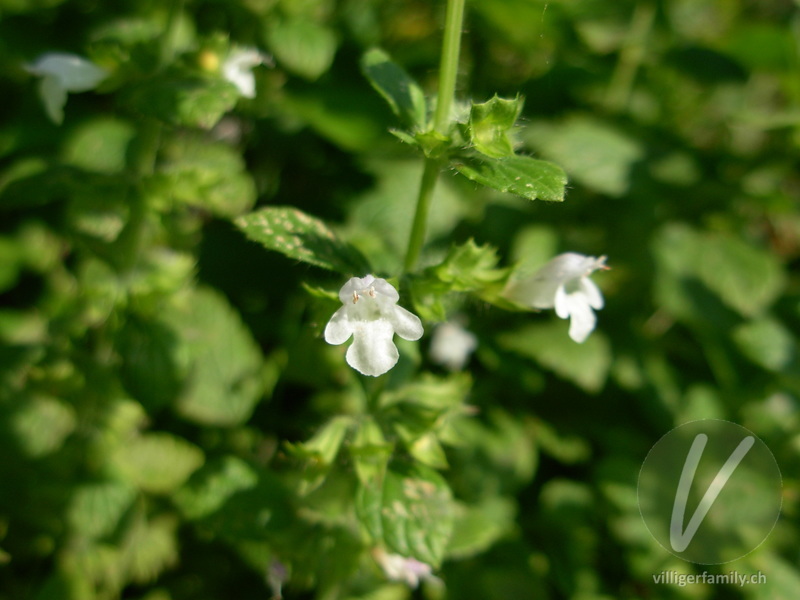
[211,487]
[151,547]
[96,508]
[585,364]
[490,123]
[157,462]
[301,237]
[226,372]
[41,424]
[404,96]
[183,101]
[741,276]
[521,175]
[319,452]
[470,267]
[593,153]
[303,47]
[766,342]
[478,527]
[200,172]
[370,451]
[410,512]
[99,145]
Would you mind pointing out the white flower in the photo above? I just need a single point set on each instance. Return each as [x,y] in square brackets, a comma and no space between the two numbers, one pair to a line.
[564,283]
[62,73]
[451,345]
[238,69]
[400,568]
[371,315]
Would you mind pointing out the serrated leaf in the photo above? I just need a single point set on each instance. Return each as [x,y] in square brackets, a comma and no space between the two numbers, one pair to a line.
[489,125]
[42,424]
[585,364]
[766,342]
[521,175]
[200,172]
[478,527]
[227,372]
[303,47]
[404,96]
[410,512]
[184,101]
[210,487]
[157,462]
[96,508]
[301,237]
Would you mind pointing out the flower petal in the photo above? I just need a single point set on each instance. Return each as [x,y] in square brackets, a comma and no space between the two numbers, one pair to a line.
[54,97]
[372,351]
[339,328]
[576,306]
[592,292]
[74,73]
[406,324]
[581,323]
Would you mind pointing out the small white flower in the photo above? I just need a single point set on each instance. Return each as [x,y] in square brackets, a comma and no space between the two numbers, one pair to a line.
[451,345]
[62,73]
[399,568]
[371,315]
[238,69]
[564,283]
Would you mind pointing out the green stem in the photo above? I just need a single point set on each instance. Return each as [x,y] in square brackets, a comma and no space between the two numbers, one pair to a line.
[448,67]
[169,39]
[630,58]
[426,188]
[448,72]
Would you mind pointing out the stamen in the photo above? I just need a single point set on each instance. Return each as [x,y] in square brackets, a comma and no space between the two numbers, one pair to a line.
[372,291]
[355,297]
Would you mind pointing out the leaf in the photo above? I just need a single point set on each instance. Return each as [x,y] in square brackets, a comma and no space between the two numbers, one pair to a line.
[157,462]
[585,364]
[301,237]
[183,101]
[320,452]
[410,512]
[489,125]
[99,145]
[211,487]
[226,372]
[42,424]
[96,508]
[303,47]
[593,153]
[766,342]
[478,527]
[200,172]
[404,96]
[521,175]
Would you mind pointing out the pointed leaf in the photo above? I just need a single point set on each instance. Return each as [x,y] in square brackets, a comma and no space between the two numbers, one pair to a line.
[405,97]
[301,237]
[521,175]
[410,512]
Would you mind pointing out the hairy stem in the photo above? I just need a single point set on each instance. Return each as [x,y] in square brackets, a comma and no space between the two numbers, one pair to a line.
[448,71]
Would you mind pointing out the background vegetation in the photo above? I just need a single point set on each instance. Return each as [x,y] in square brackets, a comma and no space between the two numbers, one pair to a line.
[173,425]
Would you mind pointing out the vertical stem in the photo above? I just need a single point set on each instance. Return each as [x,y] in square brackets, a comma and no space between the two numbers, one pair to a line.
[426,187]
[630,57]
[448,66]
[448,71]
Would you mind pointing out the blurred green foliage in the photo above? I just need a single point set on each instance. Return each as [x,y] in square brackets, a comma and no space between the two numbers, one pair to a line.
[174,427]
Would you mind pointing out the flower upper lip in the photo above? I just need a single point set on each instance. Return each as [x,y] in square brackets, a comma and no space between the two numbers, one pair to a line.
[370,314]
